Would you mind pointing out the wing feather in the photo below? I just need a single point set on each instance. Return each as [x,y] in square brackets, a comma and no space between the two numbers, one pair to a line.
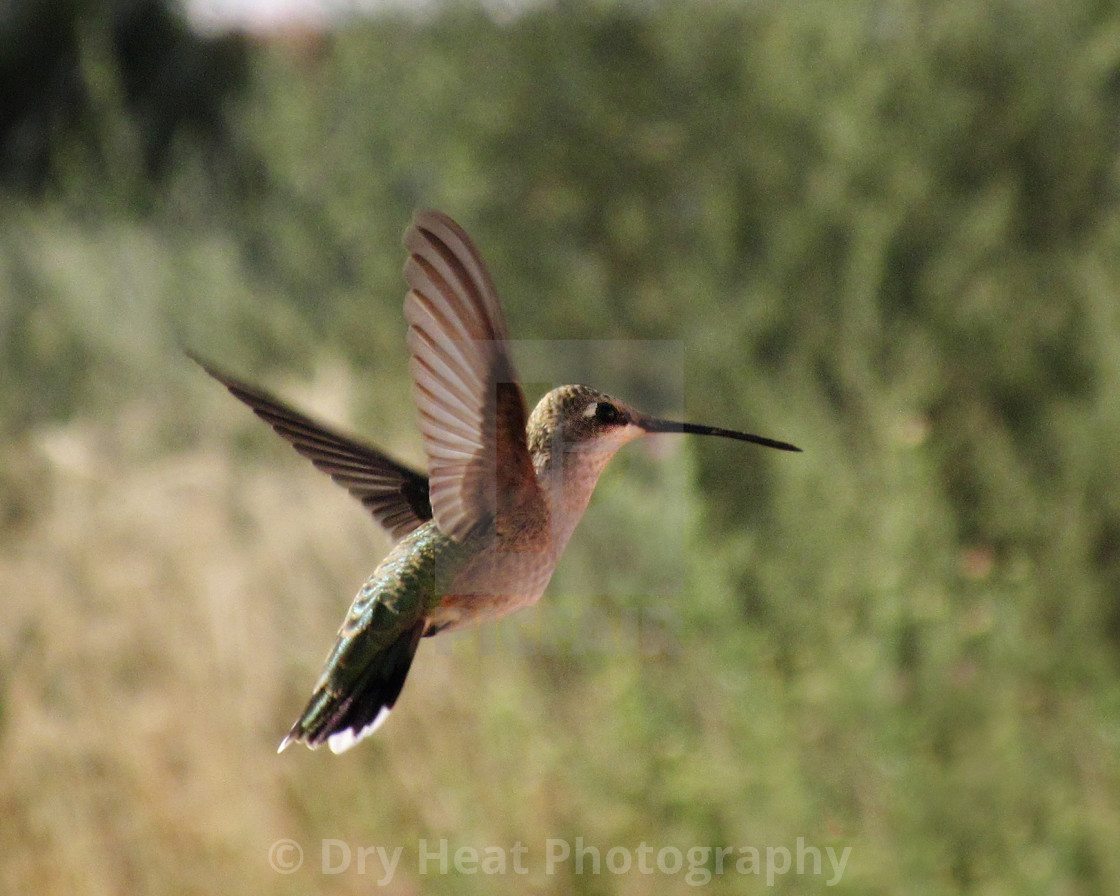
[471,408]
[395,494]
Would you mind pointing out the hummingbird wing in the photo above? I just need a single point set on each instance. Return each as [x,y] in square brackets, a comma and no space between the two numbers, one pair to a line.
[396,495]
[472,409]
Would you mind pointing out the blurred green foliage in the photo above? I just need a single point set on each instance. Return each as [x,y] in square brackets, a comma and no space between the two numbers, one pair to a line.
[887,231]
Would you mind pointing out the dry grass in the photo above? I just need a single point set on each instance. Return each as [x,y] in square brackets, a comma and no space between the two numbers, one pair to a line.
[165,619]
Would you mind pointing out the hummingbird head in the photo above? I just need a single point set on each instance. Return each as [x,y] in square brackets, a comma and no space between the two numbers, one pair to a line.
[579,418]
[575,430]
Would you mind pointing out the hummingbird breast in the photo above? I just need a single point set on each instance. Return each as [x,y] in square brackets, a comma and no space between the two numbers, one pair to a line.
[492,584]
[503,573]
[508,568]
[451,584]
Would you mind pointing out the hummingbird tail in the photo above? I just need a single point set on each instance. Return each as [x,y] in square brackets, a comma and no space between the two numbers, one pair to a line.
[343,718]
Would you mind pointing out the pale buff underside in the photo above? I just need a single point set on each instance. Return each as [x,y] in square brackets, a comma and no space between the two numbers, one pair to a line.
[511,574]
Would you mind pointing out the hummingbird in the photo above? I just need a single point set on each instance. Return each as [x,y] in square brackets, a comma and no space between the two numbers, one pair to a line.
[479,536]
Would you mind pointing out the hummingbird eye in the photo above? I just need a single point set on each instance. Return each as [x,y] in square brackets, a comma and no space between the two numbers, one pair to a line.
[607,414]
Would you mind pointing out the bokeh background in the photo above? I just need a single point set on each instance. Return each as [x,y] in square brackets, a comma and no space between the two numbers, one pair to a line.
[887,231]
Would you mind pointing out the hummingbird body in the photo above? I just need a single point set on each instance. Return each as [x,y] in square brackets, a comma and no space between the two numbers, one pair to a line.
[430,583]
[480,536]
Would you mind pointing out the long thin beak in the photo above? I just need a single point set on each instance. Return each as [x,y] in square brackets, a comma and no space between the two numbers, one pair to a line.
[655,424]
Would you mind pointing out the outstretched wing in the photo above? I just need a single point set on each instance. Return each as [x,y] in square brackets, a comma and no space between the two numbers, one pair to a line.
[472,409]
[396,495]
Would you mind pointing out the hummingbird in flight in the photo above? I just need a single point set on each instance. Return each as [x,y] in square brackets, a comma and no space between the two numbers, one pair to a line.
[480,535]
